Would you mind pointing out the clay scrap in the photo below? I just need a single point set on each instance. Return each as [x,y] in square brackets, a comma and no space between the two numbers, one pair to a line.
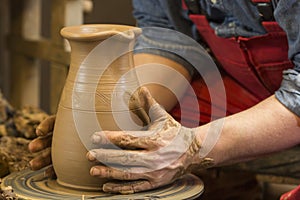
[7,193]
[17,128]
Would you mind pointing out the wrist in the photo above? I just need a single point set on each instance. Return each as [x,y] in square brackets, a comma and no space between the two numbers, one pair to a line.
[201,160]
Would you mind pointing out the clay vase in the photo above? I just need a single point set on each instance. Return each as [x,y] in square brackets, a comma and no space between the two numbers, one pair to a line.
[95,97]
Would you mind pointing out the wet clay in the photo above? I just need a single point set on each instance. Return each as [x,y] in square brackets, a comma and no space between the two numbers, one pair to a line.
[32,185]
[95,97]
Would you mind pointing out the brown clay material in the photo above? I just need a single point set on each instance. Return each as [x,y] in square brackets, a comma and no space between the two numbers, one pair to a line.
[33,185]
[95,81]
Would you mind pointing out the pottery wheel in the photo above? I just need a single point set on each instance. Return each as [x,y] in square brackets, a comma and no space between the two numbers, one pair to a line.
[29,184]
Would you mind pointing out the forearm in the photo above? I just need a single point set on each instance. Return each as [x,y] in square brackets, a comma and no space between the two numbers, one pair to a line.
[163,95]
[265,128]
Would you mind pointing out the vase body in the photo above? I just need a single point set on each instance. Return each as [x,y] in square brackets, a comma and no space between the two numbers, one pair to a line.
[100,74]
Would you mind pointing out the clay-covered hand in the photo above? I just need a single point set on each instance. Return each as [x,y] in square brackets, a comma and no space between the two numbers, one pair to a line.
[146,159]
[42,146]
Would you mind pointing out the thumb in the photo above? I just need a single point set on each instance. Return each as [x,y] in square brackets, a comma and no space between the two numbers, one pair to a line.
[46,126]
[150,105]
[144,99]
[157,113]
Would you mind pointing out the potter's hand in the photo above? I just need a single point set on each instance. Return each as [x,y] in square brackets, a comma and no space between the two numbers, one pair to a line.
[148,159]
[42,145]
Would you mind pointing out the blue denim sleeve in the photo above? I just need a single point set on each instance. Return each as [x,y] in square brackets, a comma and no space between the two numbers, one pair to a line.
[159,19]
[287,14]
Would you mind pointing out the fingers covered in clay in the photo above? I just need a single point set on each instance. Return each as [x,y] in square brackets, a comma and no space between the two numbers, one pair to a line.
[42,160]
[116,174]
[46,126]
[151,139]
[40,143]
[128,187]
[145,159]
[123,158]
[125,139]
[127,182]
[42,146]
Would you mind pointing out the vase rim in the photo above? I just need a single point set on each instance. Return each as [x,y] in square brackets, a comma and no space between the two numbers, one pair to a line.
[91,32]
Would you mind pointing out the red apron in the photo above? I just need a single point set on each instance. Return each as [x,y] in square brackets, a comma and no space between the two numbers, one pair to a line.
[253,69]
[292,195]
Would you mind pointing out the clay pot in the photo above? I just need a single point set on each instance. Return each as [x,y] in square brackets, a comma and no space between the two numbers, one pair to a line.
[95,97]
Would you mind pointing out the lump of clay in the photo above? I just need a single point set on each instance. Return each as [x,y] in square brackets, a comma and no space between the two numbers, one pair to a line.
[7,193]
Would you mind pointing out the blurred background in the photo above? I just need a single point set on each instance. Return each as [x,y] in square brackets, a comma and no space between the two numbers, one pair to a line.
[33,63]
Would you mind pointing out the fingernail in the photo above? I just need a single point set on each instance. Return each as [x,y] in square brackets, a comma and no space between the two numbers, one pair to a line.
[30,147]
[39,132]
[106,188]
[95,171]
[91,156]
[96,139]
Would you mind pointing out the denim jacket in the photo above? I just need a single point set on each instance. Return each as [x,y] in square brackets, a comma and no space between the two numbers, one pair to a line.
[238,18]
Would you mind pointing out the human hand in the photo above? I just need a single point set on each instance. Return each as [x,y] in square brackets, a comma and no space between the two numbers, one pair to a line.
[42,146]
[146,159]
